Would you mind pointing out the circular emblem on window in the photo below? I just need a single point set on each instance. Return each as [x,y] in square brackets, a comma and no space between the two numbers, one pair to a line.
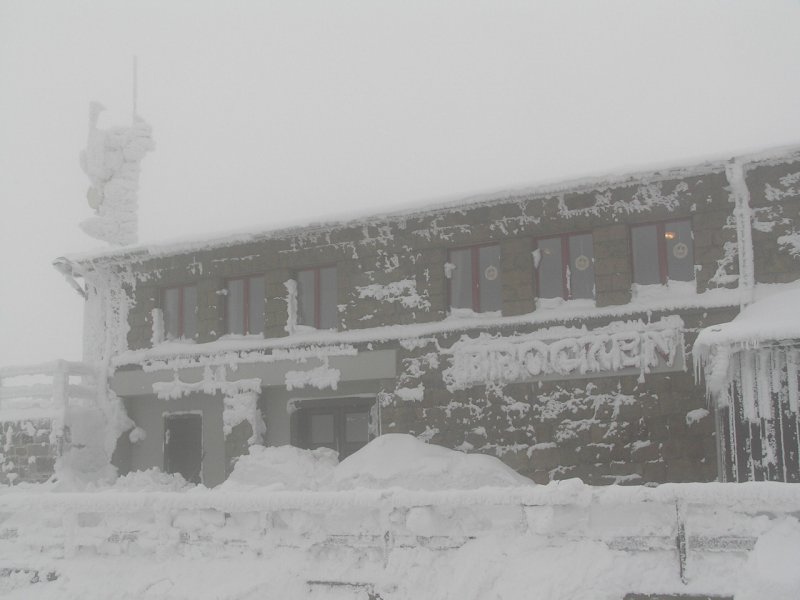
[582,262]
[680,250]
[490,273]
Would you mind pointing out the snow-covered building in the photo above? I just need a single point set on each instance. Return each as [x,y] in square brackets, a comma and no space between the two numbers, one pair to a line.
[551,327]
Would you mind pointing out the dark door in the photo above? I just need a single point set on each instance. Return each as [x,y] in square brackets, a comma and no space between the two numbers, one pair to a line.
[183,445]
[342,425]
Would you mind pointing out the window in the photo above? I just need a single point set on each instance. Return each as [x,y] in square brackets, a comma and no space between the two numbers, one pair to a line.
[662,252]
[244,305]
[317,298]
[341,424]
[179,307]
[565,266]
[475,278]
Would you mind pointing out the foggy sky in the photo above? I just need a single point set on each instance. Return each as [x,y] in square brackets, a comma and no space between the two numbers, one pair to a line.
[272,112]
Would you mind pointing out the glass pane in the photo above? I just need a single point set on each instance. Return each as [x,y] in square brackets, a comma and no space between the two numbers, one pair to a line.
[189,311]
[356,427]
[170,307]
[321,429]
[490,291]
[581,266]
[646,269]
[680,257]
[234,306]
[256,314]
[306,297]
[461,279]
[551,269]
[328,299]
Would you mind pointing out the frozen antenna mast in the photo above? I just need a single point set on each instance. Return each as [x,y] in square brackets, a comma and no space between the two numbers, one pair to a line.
[112,160]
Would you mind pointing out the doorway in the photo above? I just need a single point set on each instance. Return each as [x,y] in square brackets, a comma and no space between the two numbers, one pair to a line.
[183,445]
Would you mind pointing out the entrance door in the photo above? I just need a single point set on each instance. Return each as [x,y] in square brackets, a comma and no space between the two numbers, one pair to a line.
[341,424]
[183,445]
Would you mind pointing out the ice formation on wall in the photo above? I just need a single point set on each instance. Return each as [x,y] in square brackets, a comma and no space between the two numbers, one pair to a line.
[112,162]
[240,398]
[562,351]
[320,377]
[404,291]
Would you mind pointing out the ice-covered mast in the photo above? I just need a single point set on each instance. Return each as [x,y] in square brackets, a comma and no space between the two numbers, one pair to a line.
[112,161]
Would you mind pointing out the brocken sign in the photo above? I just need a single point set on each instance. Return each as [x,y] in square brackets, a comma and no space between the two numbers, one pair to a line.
[620,348]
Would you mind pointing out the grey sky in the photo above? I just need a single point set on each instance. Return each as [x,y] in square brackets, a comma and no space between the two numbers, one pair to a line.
[268,112]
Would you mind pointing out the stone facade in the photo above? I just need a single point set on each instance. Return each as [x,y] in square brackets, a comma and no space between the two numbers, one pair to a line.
[26,453]
[626,427]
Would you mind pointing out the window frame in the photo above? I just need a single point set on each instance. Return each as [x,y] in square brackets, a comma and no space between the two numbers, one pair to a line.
[338,408]
[317,270]
[565,263]
[661,244]
[474,273]
[181,333]
[246,303]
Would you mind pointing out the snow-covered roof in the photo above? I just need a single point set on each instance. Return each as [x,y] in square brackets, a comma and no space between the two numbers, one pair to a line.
[772,319]
[614,179]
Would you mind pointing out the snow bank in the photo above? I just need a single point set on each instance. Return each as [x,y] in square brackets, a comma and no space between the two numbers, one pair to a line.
[151,480]
[401,460]
[393,460]
[771,570]
[281,468]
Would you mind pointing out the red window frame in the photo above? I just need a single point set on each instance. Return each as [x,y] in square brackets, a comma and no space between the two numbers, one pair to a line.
[245,299]
[475,271]
[317,291]
[181,309]
[661,243]
[565,258]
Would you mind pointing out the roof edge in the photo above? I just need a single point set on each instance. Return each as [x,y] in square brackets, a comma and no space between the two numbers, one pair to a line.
[771,156]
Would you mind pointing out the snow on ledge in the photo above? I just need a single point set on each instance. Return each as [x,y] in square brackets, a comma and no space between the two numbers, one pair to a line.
[772,319]
[330,342]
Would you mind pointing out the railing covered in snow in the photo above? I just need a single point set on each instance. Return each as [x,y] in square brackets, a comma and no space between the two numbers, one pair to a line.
[38,404]
[45,390]
[683,527]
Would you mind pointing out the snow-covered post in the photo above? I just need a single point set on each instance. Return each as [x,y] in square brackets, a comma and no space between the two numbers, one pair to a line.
[291,305]
[744,235]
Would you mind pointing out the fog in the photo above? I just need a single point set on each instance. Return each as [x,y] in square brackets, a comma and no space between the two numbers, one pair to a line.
[268,113]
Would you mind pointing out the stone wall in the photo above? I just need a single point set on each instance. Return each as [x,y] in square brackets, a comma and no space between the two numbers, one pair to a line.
[26,453]
[617,428]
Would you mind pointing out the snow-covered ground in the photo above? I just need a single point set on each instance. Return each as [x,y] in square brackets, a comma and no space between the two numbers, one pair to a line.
[398,519]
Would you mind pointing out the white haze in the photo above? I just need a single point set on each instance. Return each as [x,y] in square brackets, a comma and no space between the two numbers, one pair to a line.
[268,112]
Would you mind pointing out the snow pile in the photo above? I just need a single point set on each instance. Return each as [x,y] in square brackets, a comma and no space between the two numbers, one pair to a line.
[151,480]
[401,460]
[394,460]
[281,468]
[771,570]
